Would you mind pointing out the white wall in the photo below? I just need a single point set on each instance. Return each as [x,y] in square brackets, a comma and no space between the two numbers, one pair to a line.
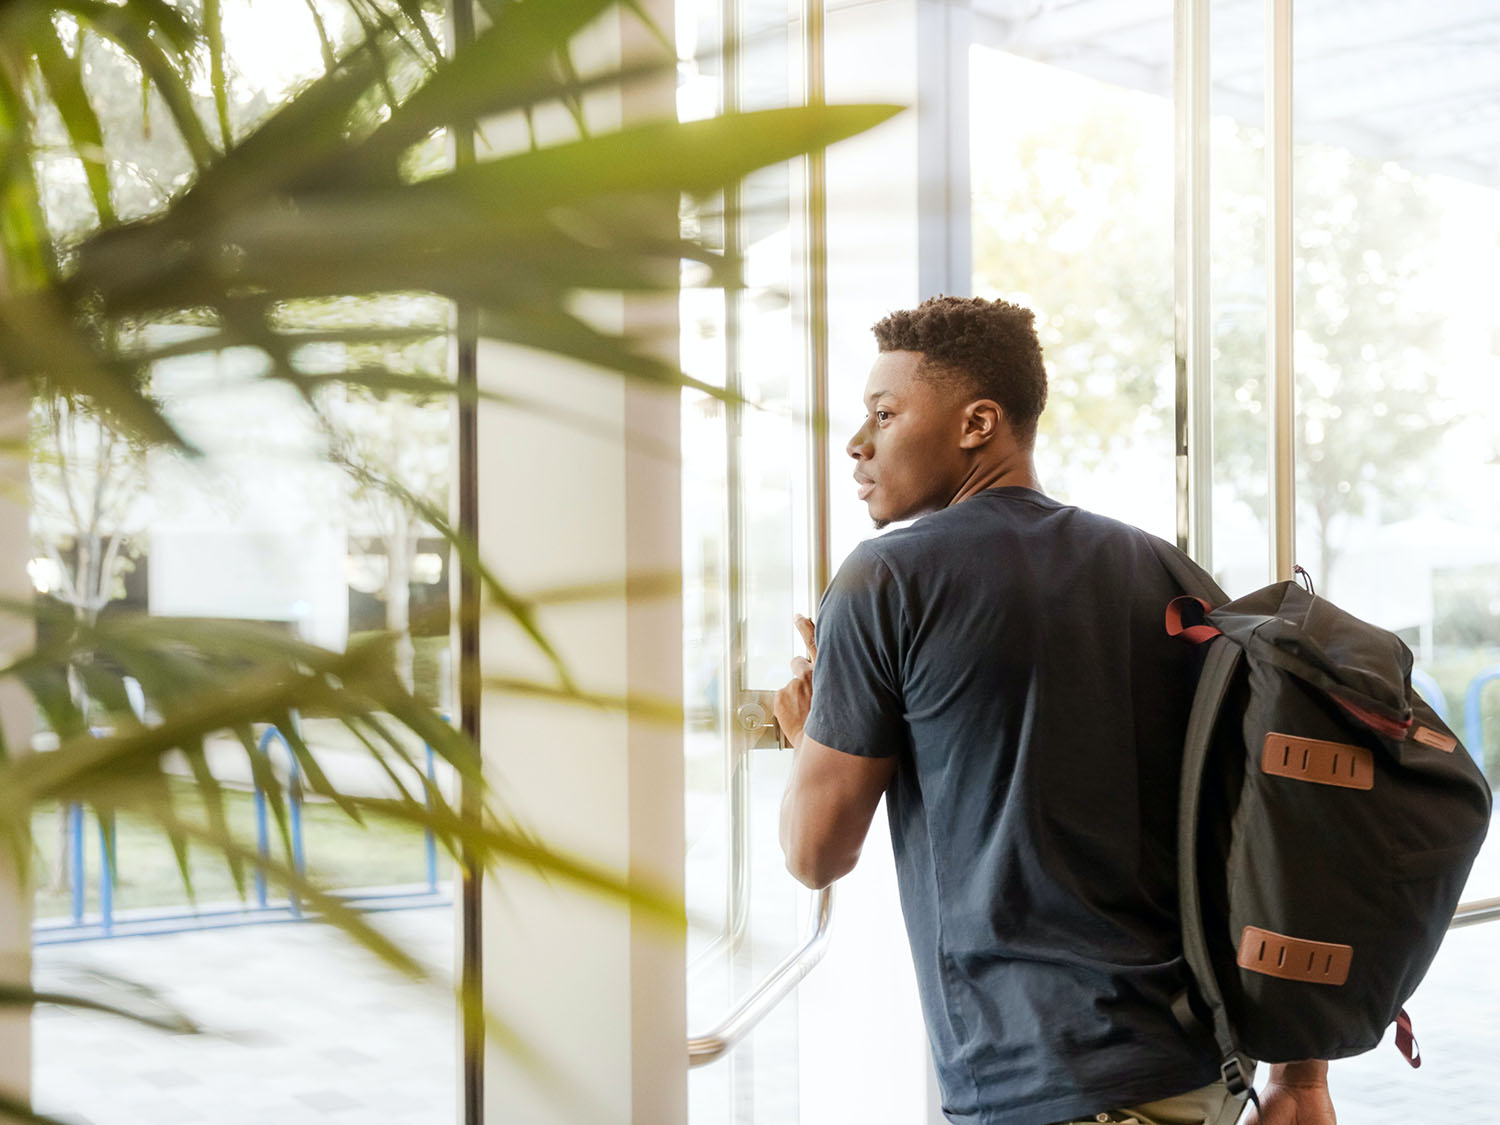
[597,990]
[599,994]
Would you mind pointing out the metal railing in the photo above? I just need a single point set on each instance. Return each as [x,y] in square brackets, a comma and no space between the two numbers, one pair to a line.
[107,922]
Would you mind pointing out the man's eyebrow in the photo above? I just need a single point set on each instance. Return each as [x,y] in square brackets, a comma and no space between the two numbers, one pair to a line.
[873,395]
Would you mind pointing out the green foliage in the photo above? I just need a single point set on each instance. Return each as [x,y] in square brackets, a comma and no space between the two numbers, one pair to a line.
[245,229]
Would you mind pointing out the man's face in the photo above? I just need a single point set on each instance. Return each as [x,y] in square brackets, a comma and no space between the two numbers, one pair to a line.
[908,461]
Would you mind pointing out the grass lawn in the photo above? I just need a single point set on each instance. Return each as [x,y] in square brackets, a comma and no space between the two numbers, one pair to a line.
[339,854]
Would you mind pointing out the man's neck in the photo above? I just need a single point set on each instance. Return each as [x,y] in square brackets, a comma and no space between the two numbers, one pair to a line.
[1014,471]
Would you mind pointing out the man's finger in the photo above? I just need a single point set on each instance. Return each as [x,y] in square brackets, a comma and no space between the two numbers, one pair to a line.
[805,628]
[801,666]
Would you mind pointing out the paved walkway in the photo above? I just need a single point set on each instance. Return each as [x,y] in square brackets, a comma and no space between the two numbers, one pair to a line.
[311,1029]
[314,1030]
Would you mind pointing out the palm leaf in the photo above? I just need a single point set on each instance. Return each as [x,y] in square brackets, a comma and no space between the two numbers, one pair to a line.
[39,340]
[481,79]
[157,18]
[63,74]
[697,157]
[18,1110]
[213,28]
[267,783]
[307,761]
[330,56]
[24,242]
[212,795]
[305,206]
[132,27]
[656,710]
[165,1018]
[412,9]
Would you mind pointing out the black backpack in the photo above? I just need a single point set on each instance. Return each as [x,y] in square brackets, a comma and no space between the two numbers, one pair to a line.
[1327,824]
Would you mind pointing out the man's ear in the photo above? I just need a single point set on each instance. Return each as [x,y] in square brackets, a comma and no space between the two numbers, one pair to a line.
[983,420]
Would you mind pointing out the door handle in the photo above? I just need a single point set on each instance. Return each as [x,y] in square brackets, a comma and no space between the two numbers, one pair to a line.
[703,1049]
[756,717]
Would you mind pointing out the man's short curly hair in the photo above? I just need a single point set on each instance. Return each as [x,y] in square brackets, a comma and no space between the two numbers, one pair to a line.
[990,347]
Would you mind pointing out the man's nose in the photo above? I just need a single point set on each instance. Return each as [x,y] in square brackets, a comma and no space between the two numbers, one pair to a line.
[859,444]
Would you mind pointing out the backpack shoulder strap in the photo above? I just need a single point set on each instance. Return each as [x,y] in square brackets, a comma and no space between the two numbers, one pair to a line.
[1219,667]
[1221,661]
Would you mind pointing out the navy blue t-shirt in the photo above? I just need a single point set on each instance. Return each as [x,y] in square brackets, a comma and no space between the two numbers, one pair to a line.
[1010,651]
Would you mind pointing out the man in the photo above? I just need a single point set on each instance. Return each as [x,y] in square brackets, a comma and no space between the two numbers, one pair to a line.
[999,671]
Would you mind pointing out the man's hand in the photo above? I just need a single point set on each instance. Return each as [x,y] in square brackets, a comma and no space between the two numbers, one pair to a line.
[1297,1094]
[794,700]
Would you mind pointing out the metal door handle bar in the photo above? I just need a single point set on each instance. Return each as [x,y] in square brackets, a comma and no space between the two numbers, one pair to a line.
[1473,913]
[703,1049]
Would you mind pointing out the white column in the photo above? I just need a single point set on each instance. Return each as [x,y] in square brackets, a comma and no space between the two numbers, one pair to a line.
[16,720]
[595,992]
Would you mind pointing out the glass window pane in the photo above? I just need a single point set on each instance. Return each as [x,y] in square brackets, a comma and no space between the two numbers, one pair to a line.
[262,527]
[1237,263]
[1397,351]
[1072,217]
[742,466]
[1397,348]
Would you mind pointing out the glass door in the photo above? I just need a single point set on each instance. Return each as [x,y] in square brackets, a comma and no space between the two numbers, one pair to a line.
[1396,241]
[753,929]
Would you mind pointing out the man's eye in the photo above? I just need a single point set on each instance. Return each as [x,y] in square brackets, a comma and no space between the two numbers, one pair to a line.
[882,415]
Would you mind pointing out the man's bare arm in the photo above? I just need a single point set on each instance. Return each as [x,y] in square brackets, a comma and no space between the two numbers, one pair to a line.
[826,811]
[831,796]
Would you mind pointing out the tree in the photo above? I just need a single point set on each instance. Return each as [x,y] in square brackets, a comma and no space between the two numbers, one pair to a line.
[1075,228]
[1368,409]
[88,488]
[402,441]
[1072,215]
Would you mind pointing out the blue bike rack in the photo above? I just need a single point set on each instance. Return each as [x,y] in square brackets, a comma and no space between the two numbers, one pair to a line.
[431,841]
[1429,690]
[177,920]
[1474,713]
[262,831]
[78,873]
[106,883]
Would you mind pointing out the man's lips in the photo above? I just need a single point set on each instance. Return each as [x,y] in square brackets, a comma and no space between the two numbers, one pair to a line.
[866,486]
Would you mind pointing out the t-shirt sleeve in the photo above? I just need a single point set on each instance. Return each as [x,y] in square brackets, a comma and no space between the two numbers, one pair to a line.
[857,702]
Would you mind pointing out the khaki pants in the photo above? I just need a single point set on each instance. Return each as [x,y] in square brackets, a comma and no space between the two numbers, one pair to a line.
[1212,1105]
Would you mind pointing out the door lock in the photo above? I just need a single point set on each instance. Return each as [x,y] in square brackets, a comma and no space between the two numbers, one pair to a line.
[756,717]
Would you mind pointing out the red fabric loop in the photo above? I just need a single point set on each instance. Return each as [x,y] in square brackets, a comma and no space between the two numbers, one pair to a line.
[1406,1042]
[1196,634]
